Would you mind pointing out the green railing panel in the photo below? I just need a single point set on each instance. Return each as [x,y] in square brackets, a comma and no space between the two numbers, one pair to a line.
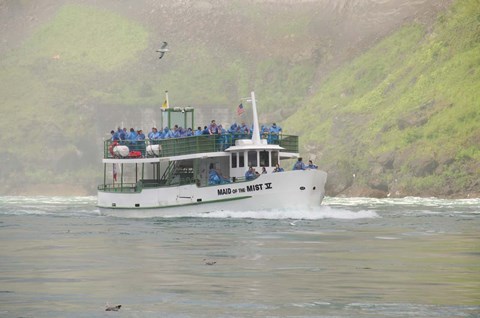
[197,144]
[122,188]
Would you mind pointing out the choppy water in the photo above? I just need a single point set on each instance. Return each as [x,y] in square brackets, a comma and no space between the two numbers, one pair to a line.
[350,258]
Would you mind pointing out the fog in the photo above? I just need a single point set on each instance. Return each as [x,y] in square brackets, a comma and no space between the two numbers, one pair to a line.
[79,93]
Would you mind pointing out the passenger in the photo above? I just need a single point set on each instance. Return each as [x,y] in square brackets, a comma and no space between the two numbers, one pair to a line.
[199,131]
[275,131]
[122,135]
[140,135]
[299,165]
[223,179]
[222,137]
[243,131]
[264,132]
[205,131]
[311,165]
[176,131]
[167,133]
[264,171]
[212,128]
[152,133]
[189,132]
[116,135]
[250,174]
[244,128]
[232,131]
[112,133]
[278,168]
[157,135]
[213,177]
[141,142]
[233,128]
[132,136]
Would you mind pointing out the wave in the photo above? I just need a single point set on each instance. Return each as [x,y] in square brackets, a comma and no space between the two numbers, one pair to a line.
[48,205]
[323,212]
[417,201]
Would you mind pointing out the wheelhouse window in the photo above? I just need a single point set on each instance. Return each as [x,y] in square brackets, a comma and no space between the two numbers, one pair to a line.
[234,159]
[241,160]
[252,158]
[274,158]
[264,162]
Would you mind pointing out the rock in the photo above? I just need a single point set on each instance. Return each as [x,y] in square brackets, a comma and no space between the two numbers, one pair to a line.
[378,184]
[386,160]
[423,167]
[337,182]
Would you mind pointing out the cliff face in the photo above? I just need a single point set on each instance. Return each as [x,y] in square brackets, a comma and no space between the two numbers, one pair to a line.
[320,67]
[402,118]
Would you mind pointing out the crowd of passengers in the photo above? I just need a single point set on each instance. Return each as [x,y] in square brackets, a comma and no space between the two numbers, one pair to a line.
[178,132]
[136,138]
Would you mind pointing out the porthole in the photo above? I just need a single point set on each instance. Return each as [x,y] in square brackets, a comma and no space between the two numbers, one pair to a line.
[137,205]
[302,188]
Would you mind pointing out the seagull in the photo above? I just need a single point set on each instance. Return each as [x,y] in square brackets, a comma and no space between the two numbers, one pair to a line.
[113,308]
[209,262]
[162,49]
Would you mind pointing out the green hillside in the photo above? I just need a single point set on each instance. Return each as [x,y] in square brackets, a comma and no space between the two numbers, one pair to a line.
[46,86]
[404,117]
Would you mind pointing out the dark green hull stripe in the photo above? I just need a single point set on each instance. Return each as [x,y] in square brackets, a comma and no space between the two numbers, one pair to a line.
[175,205]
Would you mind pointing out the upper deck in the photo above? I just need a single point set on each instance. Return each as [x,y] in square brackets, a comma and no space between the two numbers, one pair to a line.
[193,145]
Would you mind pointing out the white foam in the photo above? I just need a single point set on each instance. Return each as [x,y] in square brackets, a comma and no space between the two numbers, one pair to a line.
[323,212]
[407,201]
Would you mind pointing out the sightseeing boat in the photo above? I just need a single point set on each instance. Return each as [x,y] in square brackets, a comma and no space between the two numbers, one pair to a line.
[173,177]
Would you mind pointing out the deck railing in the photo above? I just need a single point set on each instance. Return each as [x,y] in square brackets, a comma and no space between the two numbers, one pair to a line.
[196,144]
[121,187]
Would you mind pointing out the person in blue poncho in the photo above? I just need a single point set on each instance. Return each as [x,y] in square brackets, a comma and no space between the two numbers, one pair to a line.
[274,133]
[299,165]
[213,177]
[167,133]
[311,165]
[250,174]
[216,177]
[152,133]
[132,136]
[278,168]
[141,142]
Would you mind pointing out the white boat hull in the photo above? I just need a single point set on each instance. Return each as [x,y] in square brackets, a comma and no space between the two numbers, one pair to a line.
[289,189]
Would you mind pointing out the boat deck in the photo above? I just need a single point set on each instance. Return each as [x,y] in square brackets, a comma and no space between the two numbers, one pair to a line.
[195,144]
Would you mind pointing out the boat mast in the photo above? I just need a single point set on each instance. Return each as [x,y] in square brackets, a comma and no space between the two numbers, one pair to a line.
[256,130]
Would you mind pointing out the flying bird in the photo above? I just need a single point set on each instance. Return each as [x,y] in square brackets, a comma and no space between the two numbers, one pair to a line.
[113,308]
[163,49]
[209,262]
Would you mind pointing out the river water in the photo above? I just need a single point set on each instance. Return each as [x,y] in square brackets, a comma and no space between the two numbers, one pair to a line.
[352,257]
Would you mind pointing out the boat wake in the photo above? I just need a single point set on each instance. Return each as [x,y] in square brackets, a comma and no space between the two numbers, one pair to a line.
[317,213]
